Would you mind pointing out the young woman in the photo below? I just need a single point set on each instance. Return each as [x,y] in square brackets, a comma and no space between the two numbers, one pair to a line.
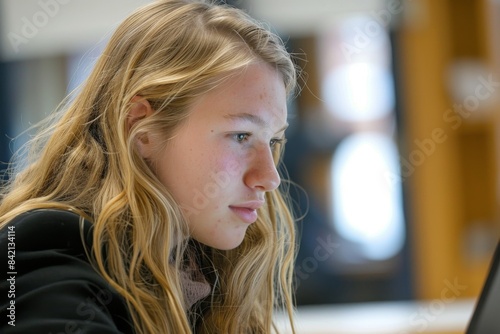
[153,204]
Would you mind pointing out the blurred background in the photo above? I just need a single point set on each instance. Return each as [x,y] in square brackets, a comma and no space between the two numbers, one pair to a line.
[394,138]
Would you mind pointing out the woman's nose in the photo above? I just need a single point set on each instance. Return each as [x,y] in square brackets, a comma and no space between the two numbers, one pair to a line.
[262,173]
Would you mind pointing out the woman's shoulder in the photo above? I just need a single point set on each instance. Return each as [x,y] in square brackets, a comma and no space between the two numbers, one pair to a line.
[53,285]
[45,229]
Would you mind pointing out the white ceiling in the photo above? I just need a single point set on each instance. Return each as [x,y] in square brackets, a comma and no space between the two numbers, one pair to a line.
[36,28]
[299,17]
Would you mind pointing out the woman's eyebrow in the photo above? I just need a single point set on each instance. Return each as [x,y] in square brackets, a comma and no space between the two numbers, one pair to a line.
[253,119]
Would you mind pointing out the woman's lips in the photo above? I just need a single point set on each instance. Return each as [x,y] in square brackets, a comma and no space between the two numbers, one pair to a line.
[247,211]
[248,215]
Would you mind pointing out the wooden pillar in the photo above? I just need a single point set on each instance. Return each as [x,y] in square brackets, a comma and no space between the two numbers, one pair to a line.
[449,161]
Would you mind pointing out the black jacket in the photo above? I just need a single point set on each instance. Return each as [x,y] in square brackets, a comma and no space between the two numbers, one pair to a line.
[48,285]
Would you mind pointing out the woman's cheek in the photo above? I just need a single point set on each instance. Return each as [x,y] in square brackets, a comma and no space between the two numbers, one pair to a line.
[232,160]
[230,166]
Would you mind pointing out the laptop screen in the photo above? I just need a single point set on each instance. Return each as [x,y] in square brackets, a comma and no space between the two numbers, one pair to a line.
[486,316]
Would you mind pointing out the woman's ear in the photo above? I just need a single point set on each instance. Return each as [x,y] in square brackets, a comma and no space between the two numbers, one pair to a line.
[139,110]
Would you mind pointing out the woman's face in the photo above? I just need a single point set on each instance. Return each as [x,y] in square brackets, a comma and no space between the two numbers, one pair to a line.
[220,163]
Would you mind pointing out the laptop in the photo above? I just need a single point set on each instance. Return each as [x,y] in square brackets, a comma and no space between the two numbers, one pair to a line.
[486,316]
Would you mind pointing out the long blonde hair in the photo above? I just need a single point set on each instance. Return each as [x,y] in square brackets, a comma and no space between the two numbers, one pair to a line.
[169,52]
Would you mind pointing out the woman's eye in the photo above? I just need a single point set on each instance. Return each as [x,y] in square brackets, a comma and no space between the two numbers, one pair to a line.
[276,141]
[241,137]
